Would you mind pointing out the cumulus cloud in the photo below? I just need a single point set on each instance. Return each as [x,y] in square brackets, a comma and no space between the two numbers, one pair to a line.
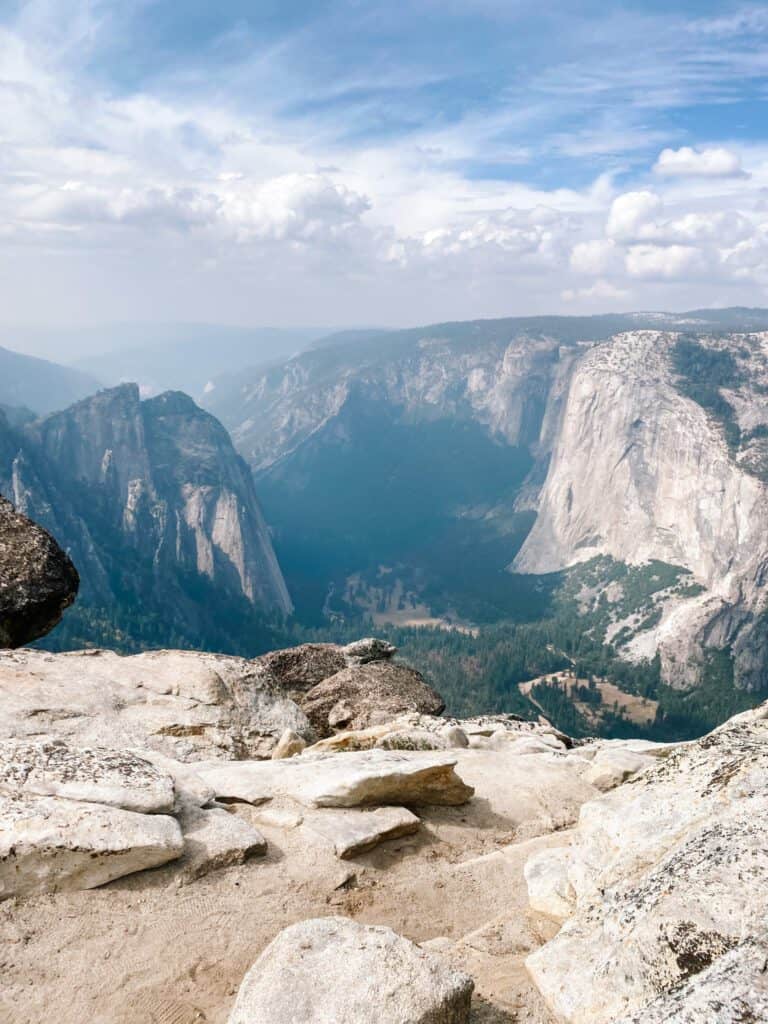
[595,257]
[658,262]
[687,162]
[149,190]
[631,216]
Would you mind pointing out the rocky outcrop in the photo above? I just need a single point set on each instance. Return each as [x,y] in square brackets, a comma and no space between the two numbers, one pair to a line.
[368,694]
[665,884]
[352,832]
[298,669]
[185,705]
[37,580]
[373,777]
[91,775]
[334,969]
[156,508]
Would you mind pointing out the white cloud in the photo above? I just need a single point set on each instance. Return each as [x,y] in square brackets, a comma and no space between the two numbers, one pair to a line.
[631,216]
[284,218]
[600,291]
[665,262]
[595,257]
[687,162]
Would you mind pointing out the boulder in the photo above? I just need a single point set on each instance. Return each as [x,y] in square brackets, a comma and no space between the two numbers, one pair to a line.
[364,695]
[667,874]
[550,890]
[298,669]
[214,838]
[90,774]
[352,832]
[454,736]
[733,990]
[48,844]
[289,745]
[188,786]
[183,704]
[369,649]
[412,739]
[613,765]
[37,580]
[351,740]
[332,969]
[343,780]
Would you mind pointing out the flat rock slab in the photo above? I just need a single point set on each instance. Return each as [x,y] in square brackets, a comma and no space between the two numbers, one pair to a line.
[48,844]
[352,832]
[332,970]
[93,774]
[343,780]
[187,705]
[214,839]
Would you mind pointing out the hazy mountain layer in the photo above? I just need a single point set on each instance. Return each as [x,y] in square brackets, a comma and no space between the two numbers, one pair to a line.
[39,385]
[185,357]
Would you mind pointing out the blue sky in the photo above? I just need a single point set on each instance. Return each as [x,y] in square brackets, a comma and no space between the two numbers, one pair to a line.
[346,162]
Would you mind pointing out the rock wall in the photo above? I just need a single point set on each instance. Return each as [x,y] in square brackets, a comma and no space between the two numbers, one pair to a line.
[641,472]
[144,493]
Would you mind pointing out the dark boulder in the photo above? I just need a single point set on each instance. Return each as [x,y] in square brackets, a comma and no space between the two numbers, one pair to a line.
[370,648]
[37,580]
[363,695]
[299,669]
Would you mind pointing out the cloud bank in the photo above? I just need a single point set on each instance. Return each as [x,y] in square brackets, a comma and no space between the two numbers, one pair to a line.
[292,169]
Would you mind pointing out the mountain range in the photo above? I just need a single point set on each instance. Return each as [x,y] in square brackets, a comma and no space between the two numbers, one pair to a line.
[553,498]
[608,472]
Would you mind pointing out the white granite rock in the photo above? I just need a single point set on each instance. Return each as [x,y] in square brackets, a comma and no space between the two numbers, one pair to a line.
[613,765]
[214,838]
[343,780]
[49,844]
[289,745]
[332,970]
[549,888]
[352,832]
[186,705]
[93,774]
[668,872]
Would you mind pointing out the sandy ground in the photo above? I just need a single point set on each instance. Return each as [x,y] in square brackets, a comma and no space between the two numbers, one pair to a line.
[148,950]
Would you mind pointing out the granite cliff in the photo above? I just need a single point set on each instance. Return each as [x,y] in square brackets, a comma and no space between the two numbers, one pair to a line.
[155,507]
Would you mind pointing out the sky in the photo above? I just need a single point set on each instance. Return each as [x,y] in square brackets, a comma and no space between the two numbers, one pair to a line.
[358,162]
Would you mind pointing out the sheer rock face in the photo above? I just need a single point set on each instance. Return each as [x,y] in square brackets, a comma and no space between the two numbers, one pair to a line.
[639,471]
[145,494]
[334,969]
[665,878]
[37,580]
[364,695]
